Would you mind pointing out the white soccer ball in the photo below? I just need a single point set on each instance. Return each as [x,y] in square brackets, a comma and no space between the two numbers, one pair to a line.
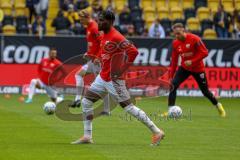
[49,107]
[174,112]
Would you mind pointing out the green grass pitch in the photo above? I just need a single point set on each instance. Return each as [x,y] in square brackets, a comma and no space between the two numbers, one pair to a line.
[26,133]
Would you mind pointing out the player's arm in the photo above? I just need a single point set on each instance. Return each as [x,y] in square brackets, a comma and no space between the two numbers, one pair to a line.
[174,63]
[124,59]
[201,52]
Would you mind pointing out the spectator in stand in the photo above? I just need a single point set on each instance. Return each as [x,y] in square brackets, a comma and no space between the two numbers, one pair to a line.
[39,26]
[81,4]
[125,18]
[64,4]
[30,5]
[96,9]
[42,8]
[156,30]
[237,28]
[130,31]
[222,21]
[110,6]
[72,15]
[145,33]
[61,24]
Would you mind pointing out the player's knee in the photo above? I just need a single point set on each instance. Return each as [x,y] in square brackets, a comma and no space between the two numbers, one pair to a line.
[125,103]
[33,82]
[86,103]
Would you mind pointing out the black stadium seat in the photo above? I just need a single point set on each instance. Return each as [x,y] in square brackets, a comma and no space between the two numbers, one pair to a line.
[22,25]
[206,24]
[189,12]
[166,24]
[133,4]
[200,3]
[8,20]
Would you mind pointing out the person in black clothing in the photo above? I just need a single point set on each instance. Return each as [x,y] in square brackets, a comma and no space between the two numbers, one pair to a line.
[82,4]
[61,24]
[222,21]
[30,5]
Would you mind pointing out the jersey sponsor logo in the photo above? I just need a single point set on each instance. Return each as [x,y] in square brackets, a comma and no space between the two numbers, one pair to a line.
[24,54]
[188,45]
[187,54]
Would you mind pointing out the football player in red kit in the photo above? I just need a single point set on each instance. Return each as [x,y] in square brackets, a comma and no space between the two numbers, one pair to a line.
[93,37]
[113,44]
[192,51]
[45,69]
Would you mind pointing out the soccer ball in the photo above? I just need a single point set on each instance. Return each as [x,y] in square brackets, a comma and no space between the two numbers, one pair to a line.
[174,112]
[49,107]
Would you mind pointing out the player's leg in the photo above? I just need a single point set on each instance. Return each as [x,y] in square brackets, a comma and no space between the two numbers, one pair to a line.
[118,89]
[95,92]
[180,76]
[32,87]
[79,85]
[52,93]
[203,85]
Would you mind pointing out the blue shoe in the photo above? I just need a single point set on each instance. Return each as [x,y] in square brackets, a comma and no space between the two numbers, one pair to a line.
[28,101]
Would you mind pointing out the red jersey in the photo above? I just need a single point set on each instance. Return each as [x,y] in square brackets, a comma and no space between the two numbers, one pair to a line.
[193,49]
[114,50]
[93,39]
[46,68]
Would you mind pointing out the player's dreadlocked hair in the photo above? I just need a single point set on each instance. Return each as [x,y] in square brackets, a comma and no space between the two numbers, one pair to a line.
[108,15]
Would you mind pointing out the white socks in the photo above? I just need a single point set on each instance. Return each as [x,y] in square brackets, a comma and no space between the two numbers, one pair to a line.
[87,108]
[141,116]
[80,86]
[32,88]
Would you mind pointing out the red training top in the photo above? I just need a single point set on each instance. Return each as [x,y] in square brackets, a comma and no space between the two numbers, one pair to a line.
[93,39]
[46,68]
[117,54]
[192,48]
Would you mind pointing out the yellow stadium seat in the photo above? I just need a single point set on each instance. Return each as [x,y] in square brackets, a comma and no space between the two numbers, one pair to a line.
[187,4]
[203,13]
[9,30]
[6,6]
[174,3]
[1,15]
[193,24]
[228,5]
[104,3]
[209,34]
[149,16]
[119,5]
[20,12]
[146,3]
[149,24]
[52,13]
[149,9]
[237,4]
[51,31]
[163,12]
[176,13]
[53,3]
[213,5]
[19,3]
[161,4]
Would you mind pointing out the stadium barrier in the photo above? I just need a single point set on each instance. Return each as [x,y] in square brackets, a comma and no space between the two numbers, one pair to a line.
[21,54]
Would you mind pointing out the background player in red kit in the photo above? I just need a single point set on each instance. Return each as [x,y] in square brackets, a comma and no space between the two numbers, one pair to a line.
[113,44]
[192,52]
[46,67]
[93,37]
